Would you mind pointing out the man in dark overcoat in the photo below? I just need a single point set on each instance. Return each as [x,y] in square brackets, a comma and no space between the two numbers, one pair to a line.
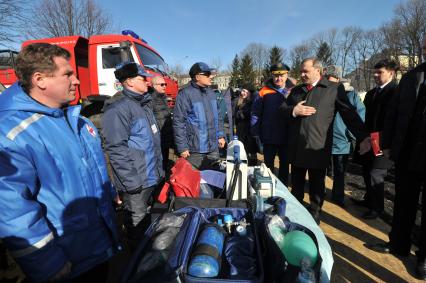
[312,107]
[404,140]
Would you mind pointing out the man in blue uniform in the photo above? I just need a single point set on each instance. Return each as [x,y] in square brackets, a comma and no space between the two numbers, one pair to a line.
[57,218]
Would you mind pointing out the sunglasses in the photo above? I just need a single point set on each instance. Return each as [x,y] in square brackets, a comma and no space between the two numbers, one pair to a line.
[208,74]
[164,84]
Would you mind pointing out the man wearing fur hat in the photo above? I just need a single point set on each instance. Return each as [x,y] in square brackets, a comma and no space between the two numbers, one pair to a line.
[132,141]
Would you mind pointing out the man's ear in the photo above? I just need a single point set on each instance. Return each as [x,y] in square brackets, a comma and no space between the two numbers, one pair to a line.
[128,82]
[39,80]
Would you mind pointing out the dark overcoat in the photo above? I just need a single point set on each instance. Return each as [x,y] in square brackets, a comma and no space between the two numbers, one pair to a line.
[310,138]
[400,114]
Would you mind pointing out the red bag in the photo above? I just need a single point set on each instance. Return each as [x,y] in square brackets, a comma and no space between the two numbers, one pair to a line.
[184,179]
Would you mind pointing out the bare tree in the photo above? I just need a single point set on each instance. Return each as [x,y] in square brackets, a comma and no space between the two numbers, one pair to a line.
[412,22]
[348,37]
[52,18]
[297,54]
[177,70]
[331,38]
[365,54]
[259,53]
[216,63]
[393,40]
[11,12]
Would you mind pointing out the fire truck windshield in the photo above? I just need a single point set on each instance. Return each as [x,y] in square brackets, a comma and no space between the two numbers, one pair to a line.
[151,60]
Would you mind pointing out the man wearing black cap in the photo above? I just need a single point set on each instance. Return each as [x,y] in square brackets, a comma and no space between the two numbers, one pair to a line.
[132,141]
[196,124]
[267,122]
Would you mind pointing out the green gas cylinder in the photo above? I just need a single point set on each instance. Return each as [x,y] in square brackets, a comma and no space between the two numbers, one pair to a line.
[298,245]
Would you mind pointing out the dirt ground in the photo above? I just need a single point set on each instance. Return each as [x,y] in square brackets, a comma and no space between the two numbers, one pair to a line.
[346,232]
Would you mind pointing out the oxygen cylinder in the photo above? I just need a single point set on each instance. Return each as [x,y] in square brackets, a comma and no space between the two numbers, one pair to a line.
[206,257]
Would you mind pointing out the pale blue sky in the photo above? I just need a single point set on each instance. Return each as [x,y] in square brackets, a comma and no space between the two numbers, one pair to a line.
[186,31]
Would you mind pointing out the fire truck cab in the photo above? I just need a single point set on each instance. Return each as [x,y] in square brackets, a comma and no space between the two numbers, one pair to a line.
[94,60]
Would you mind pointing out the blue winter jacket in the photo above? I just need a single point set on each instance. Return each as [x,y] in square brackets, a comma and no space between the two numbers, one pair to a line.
[196,123]
[342,137]
[132,141]
[55,194]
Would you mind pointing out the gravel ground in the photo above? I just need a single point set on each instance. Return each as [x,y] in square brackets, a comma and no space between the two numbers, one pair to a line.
[355,187]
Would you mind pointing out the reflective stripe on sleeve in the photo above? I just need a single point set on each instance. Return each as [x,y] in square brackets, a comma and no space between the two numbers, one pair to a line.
[36,246]
[23,125]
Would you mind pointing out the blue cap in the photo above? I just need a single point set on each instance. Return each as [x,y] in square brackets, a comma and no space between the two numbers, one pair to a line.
[200,67]
[127,70]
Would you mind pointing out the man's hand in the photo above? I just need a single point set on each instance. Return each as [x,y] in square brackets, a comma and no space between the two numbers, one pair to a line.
[184,154]
[66,269]
[302,110]
[117,200]
[365,146]
[221,142]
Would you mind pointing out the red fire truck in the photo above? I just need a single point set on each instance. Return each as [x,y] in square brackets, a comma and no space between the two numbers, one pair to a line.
[94,60]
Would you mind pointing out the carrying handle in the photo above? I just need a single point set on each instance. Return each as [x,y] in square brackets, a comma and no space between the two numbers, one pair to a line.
[236,175]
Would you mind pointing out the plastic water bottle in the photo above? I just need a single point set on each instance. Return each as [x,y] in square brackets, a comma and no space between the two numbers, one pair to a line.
[236,145]
[277,230]
[306,274]
[203,265]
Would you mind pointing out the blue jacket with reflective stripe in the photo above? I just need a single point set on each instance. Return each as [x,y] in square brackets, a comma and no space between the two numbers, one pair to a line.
[55,194]
[132,141]
[196,123]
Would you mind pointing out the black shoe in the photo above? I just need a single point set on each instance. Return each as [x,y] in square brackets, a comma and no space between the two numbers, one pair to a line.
[315,215]
[384,248]
[371,214]
[421,270]
[359,202]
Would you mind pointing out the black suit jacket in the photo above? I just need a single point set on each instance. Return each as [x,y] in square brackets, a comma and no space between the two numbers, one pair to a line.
[376,107]
[310,138]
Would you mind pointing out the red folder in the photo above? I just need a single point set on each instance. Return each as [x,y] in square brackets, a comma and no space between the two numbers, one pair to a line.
[375,144]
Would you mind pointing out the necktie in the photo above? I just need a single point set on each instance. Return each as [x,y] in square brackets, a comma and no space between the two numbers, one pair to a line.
[378,89]
[309,87]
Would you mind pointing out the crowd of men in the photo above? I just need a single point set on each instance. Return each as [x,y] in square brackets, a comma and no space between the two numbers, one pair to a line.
[57,216]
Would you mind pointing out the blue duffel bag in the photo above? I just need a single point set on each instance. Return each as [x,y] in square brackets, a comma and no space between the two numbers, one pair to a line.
[173,246]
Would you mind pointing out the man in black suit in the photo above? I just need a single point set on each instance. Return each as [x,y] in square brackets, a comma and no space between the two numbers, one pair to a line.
[404,140]
[311,108]
[375,164]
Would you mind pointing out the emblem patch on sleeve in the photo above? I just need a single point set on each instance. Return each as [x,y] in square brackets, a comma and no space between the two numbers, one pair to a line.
[91,131]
